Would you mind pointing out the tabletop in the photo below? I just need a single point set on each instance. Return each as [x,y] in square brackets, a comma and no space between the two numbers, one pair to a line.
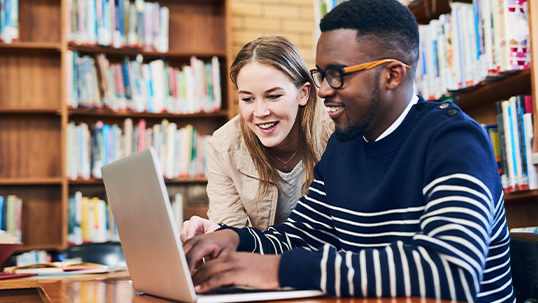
[117,287]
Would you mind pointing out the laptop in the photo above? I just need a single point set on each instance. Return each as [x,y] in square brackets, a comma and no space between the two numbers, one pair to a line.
[150,239]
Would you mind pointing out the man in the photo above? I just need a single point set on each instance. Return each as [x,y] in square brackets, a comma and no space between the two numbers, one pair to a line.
[406,200]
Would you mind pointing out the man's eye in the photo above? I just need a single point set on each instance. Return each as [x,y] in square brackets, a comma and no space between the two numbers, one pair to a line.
[274,97]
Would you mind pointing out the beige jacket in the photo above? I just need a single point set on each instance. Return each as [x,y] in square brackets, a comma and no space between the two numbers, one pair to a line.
[233,182]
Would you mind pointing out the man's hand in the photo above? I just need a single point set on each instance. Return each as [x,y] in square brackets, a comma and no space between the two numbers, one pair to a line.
[238,268]
[210,245]
[196,226]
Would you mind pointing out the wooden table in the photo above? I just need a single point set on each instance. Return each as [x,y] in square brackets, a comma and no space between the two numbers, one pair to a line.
[117,287]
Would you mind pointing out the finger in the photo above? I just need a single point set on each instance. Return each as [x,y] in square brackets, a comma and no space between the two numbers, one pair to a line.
[211,268]
[195,250]
[195,228]
[225,275]
[183,232]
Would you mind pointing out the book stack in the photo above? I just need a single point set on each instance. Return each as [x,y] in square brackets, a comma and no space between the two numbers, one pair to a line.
[181,151]
[9,21]
[10,216]
[154,87]
[512,138]
[118,23]
[472,44]
[89,220]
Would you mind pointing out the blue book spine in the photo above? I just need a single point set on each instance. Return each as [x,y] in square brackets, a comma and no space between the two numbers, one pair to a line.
[105,130]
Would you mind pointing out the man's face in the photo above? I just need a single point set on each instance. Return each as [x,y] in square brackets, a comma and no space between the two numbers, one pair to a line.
[354,107]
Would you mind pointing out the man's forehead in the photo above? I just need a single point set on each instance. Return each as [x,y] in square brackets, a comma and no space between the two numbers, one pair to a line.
[340,47]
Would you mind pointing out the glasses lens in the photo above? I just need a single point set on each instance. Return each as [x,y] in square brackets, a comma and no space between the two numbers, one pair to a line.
[317,76]
[334,77]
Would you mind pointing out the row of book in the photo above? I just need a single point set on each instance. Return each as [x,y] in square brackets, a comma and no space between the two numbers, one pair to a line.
[9,21]
[512,139]
[90,220]
[93,82]
[33,257]
[182,151]
[10,217]
[473,43]
[118,23]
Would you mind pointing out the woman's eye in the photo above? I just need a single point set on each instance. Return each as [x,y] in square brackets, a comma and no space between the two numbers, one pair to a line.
[274,97]
[247,99]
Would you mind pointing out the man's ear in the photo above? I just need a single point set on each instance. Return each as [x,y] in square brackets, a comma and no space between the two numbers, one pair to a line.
[304,93]
[396,74]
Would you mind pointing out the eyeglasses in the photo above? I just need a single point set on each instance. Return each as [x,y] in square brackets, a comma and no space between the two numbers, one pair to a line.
[335,76]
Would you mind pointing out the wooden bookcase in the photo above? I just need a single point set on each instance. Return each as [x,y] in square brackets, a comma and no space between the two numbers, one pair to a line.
[479,102]
[34,115]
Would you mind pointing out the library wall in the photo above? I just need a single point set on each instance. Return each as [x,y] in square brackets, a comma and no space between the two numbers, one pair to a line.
[293,19]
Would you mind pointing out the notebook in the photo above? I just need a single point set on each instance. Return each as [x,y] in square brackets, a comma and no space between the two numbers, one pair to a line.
[149,237]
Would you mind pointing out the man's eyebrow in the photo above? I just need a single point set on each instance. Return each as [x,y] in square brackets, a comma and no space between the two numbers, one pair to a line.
[333,65]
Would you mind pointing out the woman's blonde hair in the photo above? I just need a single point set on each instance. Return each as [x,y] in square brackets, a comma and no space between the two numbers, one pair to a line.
[280,53]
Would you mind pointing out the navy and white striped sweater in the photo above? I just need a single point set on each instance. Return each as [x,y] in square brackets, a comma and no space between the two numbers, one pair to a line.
[418,213]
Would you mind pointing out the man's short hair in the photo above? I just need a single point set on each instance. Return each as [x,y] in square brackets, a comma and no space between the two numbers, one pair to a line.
[388,24]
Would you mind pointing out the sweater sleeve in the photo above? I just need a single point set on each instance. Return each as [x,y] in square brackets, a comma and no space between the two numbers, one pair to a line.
[463,213]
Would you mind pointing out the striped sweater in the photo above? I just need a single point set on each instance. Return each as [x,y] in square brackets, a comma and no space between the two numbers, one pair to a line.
[418,213]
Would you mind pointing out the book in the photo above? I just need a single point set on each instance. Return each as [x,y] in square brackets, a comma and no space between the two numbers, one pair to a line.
[69,265]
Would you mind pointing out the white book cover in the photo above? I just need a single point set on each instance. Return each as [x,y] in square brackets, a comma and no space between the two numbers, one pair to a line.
[529,136]
[132,36]
[158,85]
[517,37]
[186,150]
[177,151]
[148,25]
[118,142]
[86,143]
[467,26]
[101,217]
[170,152]
[177,209]
[156,138]
[457,46]
[91,30]
[156,23]
[487,21]
[442,56]
[163,30]
[190,89]
[499,36]
[217,91]
[71,152]
[163,144]
[127,137]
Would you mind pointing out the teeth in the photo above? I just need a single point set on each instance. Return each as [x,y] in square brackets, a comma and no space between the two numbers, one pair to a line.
[267,125]
[332,109]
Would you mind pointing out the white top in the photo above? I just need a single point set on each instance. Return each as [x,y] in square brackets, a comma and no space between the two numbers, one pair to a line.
[398,121]
[293,182]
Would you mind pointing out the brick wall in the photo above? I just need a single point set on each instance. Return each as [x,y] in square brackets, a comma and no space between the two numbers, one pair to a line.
[293,19]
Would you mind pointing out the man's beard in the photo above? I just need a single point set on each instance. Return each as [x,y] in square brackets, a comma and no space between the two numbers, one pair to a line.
[357,130]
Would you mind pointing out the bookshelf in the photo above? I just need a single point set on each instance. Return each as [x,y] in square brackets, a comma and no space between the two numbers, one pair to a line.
[479,102]
[34,115]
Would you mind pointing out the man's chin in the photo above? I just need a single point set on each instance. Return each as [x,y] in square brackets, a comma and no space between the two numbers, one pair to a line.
[349,134]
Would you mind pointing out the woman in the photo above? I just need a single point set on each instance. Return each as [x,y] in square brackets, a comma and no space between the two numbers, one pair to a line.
[262,161]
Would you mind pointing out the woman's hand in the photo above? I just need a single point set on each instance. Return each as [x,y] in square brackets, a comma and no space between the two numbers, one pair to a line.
[196,226]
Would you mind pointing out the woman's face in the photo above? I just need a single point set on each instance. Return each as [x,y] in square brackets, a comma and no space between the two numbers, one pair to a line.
[269,103]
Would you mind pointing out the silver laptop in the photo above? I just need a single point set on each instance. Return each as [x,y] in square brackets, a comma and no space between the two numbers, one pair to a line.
[150,239]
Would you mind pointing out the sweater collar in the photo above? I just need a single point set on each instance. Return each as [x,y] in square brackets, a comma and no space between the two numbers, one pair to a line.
[398,121]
